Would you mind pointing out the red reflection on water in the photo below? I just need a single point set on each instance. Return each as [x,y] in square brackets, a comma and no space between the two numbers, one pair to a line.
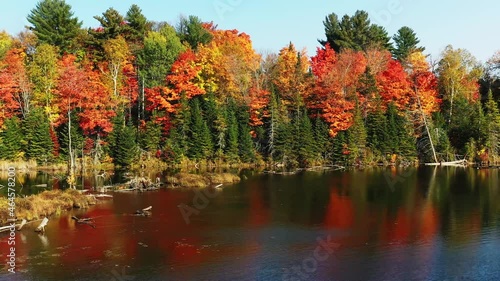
[259,212]
[429,224]
[86,242]
[340,211]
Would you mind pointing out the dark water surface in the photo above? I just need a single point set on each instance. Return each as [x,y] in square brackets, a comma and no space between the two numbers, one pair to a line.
[376,224]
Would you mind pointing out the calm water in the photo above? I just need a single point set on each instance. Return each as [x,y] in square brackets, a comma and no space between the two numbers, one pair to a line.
[381,224]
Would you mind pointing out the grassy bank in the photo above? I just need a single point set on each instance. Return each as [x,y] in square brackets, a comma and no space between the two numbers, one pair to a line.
[201,180]
[45,204]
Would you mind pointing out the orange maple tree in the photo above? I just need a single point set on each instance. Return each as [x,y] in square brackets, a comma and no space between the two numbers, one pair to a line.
[15,87]
[394,86]
[97,105]
[424,83]
[336,76]
[181,81]
[71,88]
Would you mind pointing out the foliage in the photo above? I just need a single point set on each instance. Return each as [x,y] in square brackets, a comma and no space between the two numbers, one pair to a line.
[54,24]
[355,33]
[406,43]
[198,93]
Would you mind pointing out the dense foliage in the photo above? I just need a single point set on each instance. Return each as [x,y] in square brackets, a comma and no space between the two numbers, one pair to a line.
[131,87]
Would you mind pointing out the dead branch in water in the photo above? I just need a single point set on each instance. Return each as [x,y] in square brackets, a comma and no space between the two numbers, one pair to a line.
[87,221]
[41,227]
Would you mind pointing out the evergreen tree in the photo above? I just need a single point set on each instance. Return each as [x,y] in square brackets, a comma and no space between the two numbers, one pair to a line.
[53,23]
[322,139]
[272,125]
[125,150]
[492,127]
[284,143]
[377,130]
[138,25]
[399,136]
[150,136]
[192,32]
[304,146]
[38,142]
[232,149]
[112,138]
[11,140]
[340,149]
[356,33]
[111,26]
[201,146]
[180,134]
[464,126]
[356,135]
[406,42]
[246,147]
[211,111]
[393,126]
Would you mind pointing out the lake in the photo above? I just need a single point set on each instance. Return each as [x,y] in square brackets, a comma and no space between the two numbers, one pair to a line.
[429,223]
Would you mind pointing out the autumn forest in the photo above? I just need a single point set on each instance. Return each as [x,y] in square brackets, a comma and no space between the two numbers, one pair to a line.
[129,89]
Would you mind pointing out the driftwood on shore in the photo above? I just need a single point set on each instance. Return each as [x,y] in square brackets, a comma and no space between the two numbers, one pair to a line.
[296,171]
[139,184]
[19,226]
[458,163]
[187,180]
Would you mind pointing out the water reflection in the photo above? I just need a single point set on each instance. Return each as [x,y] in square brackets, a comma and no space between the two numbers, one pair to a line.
[391,224]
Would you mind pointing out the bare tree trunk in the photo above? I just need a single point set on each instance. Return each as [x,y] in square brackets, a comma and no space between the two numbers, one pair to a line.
[426,126]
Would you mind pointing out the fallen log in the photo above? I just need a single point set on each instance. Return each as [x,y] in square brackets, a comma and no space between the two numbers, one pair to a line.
[6,228]
[87,221]
[146,212]
[103,196]
[41,227]
[19,225]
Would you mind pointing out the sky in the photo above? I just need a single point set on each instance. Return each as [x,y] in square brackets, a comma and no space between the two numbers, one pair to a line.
[272,24]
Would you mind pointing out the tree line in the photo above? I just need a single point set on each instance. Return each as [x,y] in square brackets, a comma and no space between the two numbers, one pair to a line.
[193,92]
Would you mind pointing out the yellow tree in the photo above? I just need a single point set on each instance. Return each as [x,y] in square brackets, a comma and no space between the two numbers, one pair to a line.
[458,75]
[117,57]
[228,63]
[292,77]
[424,83]
[43,73]
[5,43]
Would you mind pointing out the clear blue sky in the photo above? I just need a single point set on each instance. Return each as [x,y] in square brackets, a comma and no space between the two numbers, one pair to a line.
[472,25]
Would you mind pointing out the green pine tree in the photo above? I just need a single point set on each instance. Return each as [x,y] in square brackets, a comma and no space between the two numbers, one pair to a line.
[39,144]
[125,150]
[150,136]
[492,130]
[377,131]
[232,149]
[11,140]
[53,23]
[321,135]
[339,148]
[200,145]
[304,146]
[246,146]
[356,135]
